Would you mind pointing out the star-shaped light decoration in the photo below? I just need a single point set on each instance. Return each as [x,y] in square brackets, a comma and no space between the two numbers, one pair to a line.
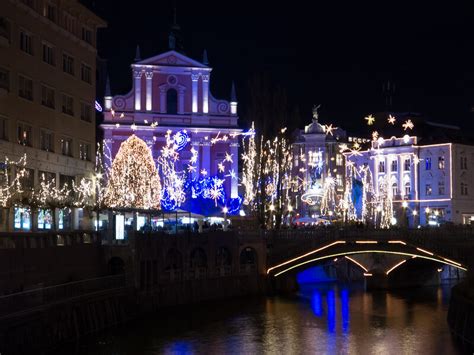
[356,145]
[191,168]
[154,124]
[408,125]
[133,127]
[355,152]
[416,160]
[328,129]
[221,167]
[228,157]
[375,135]
[343,147]
[370,120]
[232,174]
[204,172]
[122,115]
[391,119]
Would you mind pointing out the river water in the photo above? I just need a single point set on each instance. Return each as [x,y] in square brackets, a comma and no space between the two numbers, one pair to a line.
[321,319]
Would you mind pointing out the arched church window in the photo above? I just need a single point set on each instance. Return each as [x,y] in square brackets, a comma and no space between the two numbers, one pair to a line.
[171,102]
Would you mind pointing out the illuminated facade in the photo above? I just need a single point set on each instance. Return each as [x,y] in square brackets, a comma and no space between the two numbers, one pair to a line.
[429,184]
[171,93]
[318,163]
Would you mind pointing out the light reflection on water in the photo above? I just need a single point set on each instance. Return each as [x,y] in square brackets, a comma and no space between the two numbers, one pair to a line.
[323,319]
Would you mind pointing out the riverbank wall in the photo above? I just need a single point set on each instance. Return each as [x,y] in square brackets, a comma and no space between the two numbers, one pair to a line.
[461,315]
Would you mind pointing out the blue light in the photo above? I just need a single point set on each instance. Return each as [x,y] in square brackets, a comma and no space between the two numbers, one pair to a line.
[345,309]
[312,275]
[331,301]
[181,139]
[98,107]
[316,303]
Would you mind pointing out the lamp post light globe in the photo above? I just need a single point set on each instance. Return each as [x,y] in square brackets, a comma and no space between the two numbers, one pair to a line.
[404,204]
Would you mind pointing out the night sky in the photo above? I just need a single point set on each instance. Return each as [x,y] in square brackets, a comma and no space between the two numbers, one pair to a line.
[331,53]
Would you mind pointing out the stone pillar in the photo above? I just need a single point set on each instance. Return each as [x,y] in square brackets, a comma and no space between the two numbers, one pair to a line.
[138,89]
[205,93]
[181,101]
[162,100]
[195,78]
[206,157]
[149,92]
[234,189]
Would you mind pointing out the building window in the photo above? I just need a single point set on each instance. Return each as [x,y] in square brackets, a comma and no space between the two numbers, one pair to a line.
[26,42]
[171,102]
[25,88]
[428,190]
[85,151]
[87,35]
[3,128]
[24,134]
[68,105]
[4,28]
[339,159]
[69,23]
[406,165]
[339,182]
[86,73]
[86,112]
[68,64]
[66,147]
[407,189]
[47,97]
[27,181]
[48,54]
[22,218]
[441,190]
[394,165]
[46,141]
[428,164]
[463,163]
[4,79]
[441,162]
[464,191]
[47,177]
[50,12]
[394,189]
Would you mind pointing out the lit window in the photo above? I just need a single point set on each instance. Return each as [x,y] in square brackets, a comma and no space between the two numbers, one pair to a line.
[84,151]
[428,164]
[428,190]
[464,190]
[407,189]
[394,189]
[441,162]
[339,159]
[24,134]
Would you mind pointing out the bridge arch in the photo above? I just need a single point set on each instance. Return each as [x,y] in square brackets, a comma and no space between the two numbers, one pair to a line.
[343,248]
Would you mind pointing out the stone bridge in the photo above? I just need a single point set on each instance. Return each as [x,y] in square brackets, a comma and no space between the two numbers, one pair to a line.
[292,250]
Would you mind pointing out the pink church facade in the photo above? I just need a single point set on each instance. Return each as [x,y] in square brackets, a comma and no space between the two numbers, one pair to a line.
[171,93]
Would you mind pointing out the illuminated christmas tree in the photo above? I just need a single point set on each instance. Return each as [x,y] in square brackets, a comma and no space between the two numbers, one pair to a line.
[133,180]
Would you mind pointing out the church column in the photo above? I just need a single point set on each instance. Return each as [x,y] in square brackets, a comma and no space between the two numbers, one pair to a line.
[162,100]
[149,93]
[234,189]
[206,157]
[181,101]
[205,93]
[195,78]
[138,89]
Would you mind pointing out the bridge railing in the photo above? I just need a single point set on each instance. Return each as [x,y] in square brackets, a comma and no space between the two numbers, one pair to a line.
[27,300]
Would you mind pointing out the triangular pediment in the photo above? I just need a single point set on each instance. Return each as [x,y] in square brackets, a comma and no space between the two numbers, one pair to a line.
[172,58]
